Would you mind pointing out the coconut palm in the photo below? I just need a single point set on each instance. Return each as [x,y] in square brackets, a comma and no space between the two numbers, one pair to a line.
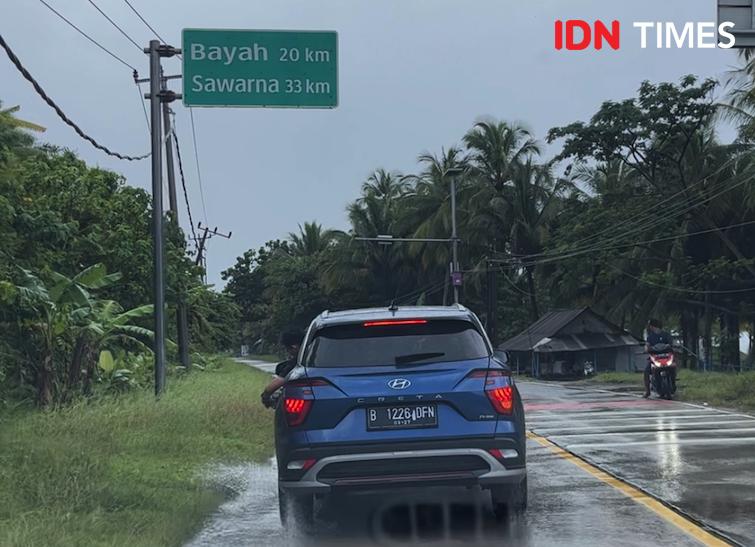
[497,147]
[311,239]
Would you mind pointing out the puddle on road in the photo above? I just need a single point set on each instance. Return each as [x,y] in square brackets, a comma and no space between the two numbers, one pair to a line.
[250,517]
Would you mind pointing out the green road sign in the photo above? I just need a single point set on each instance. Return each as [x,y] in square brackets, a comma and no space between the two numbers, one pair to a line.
[264,68]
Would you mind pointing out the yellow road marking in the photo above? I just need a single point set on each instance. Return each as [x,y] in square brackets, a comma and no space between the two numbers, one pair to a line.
[686,525]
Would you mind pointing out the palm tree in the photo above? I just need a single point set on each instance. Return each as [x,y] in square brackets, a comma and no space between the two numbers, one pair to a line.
[7,115]
[311,239]
[428,206]
[497,147]
[376,212]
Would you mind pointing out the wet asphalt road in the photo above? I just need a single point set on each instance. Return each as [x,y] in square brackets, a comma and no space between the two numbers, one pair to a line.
[698,459]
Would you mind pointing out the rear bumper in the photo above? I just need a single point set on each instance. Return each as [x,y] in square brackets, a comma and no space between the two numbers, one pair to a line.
[497,473]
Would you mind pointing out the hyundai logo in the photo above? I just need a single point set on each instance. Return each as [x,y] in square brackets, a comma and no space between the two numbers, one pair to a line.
[399,383]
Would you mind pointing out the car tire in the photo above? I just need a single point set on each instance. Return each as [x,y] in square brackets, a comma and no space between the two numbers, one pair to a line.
[296,510]
[508,500]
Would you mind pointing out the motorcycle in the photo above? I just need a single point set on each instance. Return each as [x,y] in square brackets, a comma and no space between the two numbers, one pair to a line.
[663,370]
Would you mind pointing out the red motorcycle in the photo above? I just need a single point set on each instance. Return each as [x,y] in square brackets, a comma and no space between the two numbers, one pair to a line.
[663,370]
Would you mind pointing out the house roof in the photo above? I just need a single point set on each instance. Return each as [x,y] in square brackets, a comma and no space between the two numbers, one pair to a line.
[544,335]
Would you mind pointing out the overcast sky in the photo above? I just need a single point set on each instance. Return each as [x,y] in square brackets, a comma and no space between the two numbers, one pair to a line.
[414,76]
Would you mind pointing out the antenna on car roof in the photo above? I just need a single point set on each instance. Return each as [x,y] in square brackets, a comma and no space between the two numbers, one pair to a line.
[393,306]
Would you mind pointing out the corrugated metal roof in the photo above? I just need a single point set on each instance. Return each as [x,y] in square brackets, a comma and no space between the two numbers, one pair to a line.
[582,342]
[543,335]
[545,327]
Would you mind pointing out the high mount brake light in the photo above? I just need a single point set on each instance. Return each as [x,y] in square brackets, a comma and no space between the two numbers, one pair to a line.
[502,399]
[486,373]
[296,410]
[394,322]
[309,382]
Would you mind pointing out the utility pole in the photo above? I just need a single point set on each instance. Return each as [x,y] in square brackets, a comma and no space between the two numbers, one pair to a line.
[155,51]
[202,244]
[182,318]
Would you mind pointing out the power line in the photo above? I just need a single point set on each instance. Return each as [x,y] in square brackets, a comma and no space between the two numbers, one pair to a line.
[680,289]
[651,219]
[41,92]
[544,258]
[85,35]
[140,48]
[183,181]
[150,27]
[196,159]
[141,100]
[139,15]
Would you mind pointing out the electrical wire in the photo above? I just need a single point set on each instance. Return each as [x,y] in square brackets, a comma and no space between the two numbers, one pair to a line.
[183,181]
[651,219]
[85,35]
[680,289]
[625,245]
[150,27]
[141,101]
[41,92]
[196,159]
[139,15]
[140,48]
[544,258]
[662,202]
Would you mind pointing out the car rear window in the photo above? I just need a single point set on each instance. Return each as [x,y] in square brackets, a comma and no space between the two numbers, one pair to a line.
[405,344]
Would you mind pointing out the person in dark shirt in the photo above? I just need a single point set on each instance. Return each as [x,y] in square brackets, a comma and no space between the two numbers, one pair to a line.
[655,335]
[291,340]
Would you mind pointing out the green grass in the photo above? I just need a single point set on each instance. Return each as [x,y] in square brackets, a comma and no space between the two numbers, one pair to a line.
[730,390]
[128,471]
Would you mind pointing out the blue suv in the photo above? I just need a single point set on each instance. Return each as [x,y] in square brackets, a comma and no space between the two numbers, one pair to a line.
[399,397]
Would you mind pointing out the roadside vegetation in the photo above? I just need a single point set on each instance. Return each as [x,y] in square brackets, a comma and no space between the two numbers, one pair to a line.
[726,390]
[643,211]
[127,470]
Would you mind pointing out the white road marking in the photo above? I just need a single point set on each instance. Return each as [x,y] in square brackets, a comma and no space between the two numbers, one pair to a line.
[547,430]
[699,441]
[712,432]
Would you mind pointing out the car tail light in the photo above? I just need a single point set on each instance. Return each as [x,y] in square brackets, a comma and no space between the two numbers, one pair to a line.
[394,322]
[296,410]
[502,398]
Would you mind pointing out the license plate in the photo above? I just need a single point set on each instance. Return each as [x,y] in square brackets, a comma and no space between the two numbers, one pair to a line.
[402,417]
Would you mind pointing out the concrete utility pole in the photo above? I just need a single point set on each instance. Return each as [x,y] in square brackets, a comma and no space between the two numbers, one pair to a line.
[156,97]
[182,320]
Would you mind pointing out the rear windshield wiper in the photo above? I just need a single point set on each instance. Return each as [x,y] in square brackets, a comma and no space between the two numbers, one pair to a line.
[413,357]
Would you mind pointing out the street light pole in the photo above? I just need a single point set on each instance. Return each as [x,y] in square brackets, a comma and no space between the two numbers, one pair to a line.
[455,242]
[454,173]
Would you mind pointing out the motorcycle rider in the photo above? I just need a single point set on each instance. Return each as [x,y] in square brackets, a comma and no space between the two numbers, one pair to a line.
[291,339]
[655,335]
